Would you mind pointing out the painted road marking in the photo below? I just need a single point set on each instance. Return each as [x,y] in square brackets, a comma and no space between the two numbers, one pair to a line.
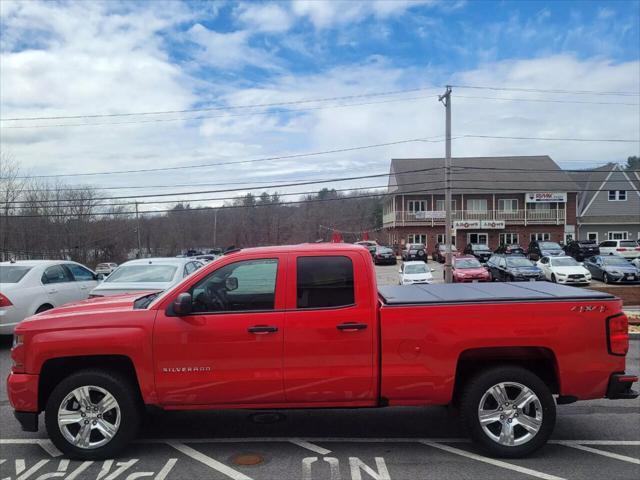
[492,461]
[617,456]
[50,448]
[310,446]
[208,461]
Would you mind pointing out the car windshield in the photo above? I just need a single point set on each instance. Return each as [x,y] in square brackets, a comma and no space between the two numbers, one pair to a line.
[142,273]
[480,247]
[102,265]
[550,246]
[444,247]
[384,250]
[615,260]
[416,246]
[628,244]
[413,269]
[564,262]
[467,263]
[12,273]
[518,262]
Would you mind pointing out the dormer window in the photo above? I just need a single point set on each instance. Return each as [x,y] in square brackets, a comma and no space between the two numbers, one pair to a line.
[617,195]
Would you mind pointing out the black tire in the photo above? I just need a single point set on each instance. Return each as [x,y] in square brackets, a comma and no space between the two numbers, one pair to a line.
[125,393]
[553,278]
[605,278]
[476,388]
[44,308]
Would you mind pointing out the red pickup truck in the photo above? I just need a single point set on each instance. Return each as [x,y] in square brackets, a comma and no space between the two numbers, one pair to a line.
[306,327]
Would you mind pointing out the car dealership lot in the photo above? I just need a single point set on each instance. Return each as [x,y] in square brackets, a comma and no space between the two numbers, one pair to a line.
[592,440]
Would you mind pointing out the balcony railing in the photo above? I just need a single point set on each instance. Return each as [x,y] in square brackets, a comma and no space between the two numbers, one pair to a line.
[513,217]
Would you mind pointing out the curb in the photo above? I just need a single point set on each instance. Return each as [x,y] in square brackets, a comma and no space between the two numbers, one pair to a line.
[634,336]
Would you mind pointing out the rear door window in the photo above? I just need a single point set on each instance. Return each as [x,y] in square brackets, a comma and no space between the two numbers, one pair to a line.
[56,274]
[324,282]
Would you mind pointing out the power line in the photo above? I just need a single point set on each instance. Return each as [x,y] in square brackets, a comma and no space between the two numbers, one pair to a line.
[612,140]
[227,107]
[542,90]
[542,100]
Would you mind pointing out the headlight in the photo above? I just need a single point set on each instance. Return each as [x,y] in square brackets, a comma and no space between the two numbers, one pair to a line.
[562,274]
[17,340]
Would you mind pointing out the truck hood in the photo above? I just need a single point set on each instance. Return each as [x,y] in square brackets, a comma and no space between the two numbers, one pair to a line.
[116,288]
[85,313]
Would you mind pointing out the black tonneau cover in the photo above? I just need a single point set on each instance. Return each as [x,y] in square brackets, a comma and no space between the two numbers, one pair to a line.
[484,293]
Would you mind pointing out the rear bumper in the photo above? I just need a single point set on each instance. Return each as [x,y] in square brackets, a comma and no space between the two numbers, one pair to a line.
[619,387]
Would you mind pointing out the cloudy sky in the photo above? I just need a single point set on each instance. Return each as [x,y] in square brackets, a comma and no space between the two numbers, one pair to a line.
[85,58]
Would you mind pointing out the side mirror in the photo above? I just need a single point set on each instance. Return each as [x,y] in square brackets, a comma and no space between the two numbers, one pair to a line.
[183,304]
[231,283]
[400,271]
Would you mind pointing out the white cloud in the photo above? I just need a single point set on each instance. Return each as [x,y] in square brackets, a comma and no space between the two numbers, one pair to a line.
[268,17]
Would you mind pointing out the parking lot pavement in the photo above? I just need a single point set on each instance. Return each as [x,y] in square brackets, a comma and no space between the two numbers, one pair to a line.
[592,440]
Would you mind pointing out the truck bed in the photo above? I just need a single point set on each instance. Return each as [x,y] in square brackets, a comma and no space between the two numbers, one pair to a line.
[485,293]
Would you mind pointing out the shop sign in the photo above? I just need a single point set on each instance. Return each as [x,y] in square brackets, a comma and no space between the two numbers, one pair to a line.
[492,224]
[545,197]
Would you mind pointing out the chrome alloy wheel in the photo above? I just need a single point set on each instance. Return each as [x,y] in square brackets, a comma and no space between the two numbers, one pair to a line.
[510,414]
[89,417]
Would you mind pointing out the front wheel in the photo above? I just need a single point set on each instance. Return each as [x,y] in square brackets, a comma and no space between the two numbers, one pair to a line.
[605,278]
[553,278]
[509,411]
[93,414]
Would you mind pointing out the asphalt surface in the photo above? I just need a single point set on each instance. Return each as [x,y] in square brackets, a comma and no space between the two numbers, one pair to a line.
[592,440]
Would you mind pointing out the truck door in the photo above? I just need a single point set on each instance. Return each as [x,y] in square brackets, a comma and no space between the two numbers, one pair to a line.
[229,349]
[330,322]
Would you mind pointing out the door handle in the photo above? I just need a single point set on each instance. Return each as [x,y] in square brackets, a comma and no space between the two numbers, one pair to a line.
[262,329]
[53,290]
[351,326]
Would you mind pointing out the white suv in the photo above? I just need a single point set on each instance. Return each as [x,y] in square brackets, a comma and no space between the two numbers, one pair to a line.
[625,248]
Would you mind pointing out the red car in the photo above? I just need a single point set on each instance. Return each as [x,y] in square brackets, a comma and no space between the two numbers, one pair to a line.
[467,268]
[307,327]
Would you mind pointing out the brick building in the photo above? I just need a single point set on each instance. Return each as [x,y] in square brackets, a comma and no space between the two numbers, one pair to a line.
[495,200]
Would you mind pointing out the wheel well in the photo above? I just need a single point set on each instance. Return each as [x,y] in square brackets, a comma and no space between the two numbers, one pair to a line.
[539,360]
[48,305]
[55,370]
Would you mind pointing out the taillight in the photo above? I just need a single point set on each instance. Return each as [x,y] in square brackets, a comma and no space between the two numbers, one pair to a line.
[638,249]
[618,334]
[4,301]
[621,249]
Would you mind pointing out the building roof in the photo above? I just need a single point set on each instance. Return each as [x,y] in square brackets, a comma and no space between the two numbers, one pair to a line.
[593,180]
[480,175]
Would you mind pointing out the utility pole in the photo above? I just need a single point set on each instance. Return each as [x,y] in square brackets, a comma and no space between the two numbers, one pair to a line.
[446,100]
[215,228]
[138,231]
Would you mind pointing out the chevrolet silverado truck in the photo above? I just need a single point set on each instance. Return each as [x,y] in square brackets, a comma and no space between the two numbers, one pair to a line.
[307,327]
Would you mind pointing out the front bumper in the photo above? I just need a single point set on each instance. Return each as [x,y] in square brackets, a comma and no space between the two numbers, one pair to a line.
[619,387]
[22,390]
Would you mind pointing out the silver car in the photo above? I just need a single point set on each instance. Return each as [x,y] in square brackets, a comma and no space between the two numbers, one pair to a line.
[146,275]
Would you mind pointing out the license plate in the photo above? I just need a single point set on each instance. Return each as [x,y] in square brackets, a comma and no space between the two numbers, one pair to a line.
[631,277]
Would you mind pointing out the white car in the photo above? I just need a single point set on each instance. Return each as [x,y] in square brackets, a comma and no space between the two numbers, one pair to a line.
[206,258]
[28,287]
[414,272]
[105,268]
[146,275]
[636,262]
[564,270]
[625,248]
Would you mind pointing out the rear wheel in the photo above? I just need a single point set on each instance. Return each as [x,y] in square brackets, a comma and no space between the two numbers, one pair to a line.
[92,414]
[509,411]
[44,308]
[605,278]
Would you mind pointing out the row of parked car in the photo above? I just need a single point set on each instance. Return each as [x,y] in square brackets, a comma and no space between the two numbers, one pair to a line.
[33,286]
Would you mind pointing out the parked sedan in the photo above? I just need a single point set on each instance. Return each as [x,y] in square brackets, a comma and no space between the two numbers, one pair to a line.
[105,269]
[479,250]
[384,256]
[468,269]
[440,250]
[581,249]
[564,270]
[628,249]
[33,286]
[538,249]
[146,275]
[414,251]
[414,272]
[510,249]
[612,269]
[513,268]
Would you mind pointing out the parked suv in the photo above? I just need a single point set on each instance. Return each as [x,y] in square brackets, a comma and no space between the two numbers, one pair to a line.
[440,250]
[581,249]
[513,268]
[479,250]
[628,249]
[414,251]
[509,249]
[384,255]
[539,248]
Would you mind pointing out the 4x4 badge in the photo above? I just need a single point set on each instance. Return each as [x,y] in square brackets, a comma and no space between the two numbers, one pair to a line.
[589,308]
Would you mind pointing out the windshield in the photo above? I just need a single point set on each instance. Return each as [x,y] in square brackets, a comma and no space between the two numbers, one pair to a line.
[614,260]
[564,262]
[628,244]
[550,246]
[12,273]
[142,273]
[385,250]
[518,262]
[443,248]
[480,247]
[467,263]
[416,246]
[413,269]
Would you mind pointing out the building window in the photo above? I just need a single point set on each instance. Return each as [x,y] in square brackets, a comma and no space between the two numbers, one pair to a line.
[477,204]
[479,238]
[440,205]
[440,238]
[592,236]
[508,239]
[417,238]
[617,195]
[508,204]
[541,206]
[540,236]
[416,205]
[618,235]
